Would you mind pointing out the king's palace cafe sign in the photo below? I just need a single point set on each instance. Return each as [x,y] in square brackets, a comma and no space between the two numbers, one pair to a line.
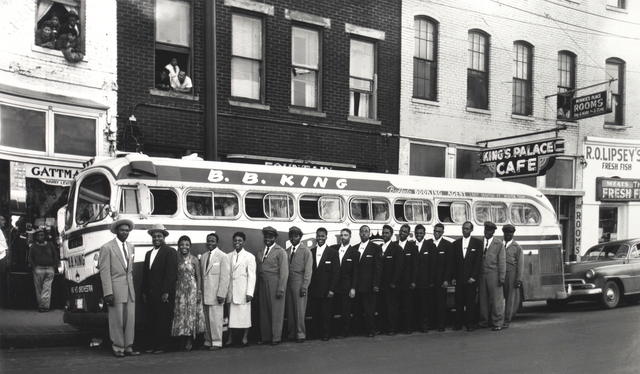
[521,160]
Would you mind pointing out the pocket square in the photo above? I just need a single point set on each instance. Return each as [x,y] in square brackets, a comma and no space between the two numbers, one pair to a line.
[349,259]
[369,256]
[389,256]
[440,253]
[408,254]
[327,262]
[473,250]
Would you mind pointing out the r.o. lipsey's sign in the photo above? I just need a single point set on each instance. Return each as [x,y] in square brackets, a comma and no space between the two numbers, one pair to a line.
[528,159]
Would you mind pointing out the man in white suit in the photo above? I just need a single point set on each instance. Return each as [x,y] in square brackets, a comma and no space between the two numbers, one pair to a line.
[241,288]
[116,274]
[215,285]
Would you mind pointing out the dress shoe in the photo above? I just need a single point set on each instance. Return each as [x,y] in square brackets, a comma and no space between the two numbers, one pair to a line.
[158,352]
[391,333]
[496,328]
[132,353]
[408,332]
[215,348]
[440,329]
[325,338]
[457,328]
[470,329]
[149,351]
[299,340]
[275,343]
[479,326]
[370,335]
[505,326]
[339,336]
[243,345]
[260,342]
[424,330]
[118,354]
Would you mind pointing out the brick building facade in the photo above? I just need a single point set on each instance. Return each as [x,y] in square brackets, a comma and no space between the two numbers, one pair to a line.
[271,107]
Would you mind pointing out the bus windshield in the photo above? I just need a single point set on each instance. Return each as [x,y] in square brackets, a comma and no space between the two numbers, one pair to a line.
[94,195]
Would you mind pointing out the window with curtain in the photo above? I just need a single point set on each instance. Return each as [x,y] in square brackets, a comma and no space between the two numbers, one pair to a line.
[305,67]
[247,57]
[615,70]
[566,83]
[173,38]
[362,79]
[477,71]
[424,59]
[522,79]
[57,14]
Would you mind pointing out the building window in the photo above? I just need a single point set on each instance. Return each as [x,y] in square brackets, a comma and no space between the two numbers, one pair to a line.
[48,132]
[362,79]
[305,67]
[247,57]
[522,97]
[615,70]
[561,174]
[608,224]
[173,42]
[425,67]
[622,4]
[59,17]
[468,165]
[477,71]
[566,83]
[426,160]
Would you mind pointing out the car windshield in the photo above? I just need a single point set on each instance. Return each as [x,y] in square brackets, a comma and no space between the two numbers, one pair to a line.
[606,252]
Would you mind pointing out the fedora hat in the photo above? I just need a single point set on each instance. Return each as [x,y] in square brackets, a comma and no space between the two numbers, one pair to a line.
[158,227]
[116,224]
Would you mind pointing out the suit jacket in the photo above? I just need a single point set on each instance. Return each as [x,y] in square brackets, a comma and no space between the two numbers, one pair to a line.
[409,265]
[162,276]
[242,281]
[215,277]
[392,260]
[440,258]
[369,268]
[275,267]
[348,269]
[494,260]
[116,274]
[463,268]
[300,268]
[325,274]
[423,279]
[514,259]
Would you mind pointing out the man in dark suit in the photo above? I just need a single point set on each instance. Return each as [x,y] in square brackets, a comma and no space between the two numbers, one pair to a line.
[367,282]
[159,277]
[492,275]
[440,251]
[423,280]
[464,273]
[300,270]
[116,274]
[392,257]
[407,285]
[345,290]
[324,279]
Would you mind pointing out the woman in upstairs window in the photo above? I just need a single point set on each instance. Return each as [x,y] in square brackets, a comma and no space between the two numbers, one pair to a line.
[55,26]
[44,36]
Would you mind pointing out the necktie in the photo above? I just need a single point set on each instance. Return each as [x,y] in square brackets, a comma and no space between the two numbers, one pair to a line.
[266,253]
[486,245]
[208,258]
[126,256]
[293,252]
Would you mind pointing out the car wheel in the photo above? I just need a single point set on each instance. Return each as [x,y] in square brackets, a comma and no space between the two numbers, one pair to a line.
[632,299]
[610,295]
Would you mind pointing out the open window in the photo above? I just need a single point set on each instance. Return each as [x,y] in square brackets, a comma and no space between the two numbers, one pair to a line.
[418,211]
[174,40]
[325,208]
[269,206]
[129,203]
[490,211]
[60,15]
[453,212]
[212,204]
[524,214]
[163,202]
[367,209]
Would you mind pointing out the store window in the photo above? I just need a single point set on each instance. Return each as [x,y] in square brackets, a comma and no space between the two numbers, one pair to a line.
[615,70]
[173,43]
[425,66]
[426,160]
[59,17]
[522,79]
[247,62]
[566,83]
[468,165]
[561,174]
[305,67]
[44,130]
[608,224]
[362,79]
[477,71]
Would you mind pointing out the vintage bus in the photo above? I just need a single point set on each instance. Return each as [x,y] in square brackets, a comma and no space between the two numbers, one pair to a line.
[194,198]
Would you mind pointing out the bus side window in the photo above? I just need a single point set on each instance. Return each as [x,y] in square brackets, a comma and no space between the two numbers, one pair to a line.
[412,211]
[359,209]
[129,201]
[489,211]
[225,204]
[260,205]
[380,210]
[165,202]
[328,208]
[524,214]
[456,212]
[199,203]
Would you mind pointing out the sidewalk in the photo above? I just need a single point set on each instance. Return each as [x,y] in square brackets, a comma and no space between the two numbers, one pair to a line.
[30,329]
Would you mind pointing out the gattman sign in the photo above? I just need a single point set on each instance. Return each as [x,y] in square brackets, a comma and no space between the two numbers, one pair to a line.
[528,159]
[590,105]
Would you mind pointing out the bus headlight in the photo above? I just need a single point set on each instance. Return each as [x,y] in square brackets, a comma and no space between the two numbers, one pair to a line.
[590,273]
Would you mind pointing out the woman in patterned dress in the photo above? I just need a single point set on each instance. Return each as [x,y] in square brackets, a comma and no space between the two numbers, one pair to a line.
[188,315]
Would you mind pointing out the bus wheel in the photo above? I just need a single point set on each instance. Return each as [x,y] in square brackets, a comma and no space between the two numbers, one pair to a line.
[610,295]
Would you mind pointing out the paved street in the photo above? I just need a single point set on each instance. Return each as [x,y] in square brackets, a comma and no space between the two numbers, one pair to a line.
[581,339]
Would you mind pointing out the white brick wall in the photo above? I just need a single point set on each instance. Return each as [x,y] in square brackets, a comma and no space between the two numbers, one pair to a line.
[23,65]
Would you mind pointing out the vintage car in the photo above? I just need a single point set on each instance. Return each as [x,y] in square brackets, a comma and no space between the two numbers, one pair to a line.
[607,272]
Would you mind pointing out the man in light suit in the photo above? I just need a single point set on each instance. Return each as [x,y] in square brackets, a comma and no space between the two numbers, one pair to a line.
[273,272]
[215,285]
[492,275]
[326,272]
[513,277]
[464,274]
[346,287]
[241,287]
[159,276]
[367,283]
[300,268]
[116,274]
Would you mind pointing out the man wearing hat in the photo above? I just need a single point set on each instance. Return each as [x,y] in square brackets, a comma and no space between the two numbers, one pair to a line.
[273,272]
[492,275]
[159,277]
[116,273]
[513,278]
[43,259]
[300,263]
[71,24]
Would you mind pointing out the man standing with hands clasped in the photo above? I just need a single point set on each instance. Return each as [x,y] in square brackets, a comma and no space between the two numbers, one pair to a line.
[513,278]
[116,274]
[215,285]
[492,275]
[300,268]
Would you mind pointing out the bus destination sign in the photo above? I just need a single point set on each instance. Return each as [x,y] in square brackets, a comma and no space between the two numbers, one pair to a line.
[528,159]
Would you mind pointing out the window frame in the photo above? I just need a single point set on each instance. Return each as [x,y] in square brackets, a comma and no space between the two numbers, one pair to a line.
[492,206]
[524,205]
[121,199]
[318,87]
[343,208]
[261,68]
[526,99]
[621,4]
[563,95]
[167,47]
[373,115]
[619,96]
[484,74]
[153,201]
[81,4]
[264,194]
[468,210]
[370,206]
[404,201]
[213,194]
[433,68]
